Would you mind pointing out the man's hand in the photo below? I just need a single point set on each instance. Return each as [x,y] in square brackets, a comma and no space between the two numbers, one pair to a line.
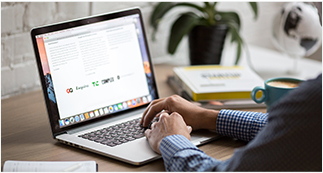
[167,125]
[195,116]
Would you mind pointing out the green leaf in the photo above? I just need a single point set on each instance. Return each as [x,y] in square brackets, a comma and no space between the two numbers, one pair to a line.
[232,20]
[235,37]
[254,8]
[158,13]
[214,4]
[207,4]
[162,8]
[230,17]
[238,53]
[234,31]
[181,27]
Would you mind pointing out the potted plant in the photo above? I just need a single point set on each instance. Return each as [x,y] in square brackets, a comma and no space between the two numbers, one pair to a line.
[207,29]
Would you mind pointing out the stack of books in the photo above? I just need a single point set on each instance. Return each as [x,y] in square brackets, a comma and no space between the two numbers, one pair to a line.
[217,87]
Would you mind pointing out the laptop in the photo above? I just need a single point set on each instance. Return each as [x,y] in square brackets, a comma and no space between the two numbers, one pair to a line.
[97,79]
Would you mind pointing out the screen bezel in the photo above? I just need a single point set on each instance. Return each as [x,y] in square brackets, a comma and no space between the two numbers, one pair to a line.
[56,130]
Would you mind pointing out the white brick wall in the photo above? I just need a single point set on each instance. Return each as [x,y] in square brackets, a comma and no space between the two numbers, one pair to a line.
[14,23]
[18,66]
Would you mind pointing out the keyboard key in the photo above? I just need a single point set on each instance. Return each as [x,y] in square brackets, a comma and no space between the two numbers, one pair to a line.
[107,141]
[103,131]
[107,134]
[118,138]
[99,140]
[111,144]
[130,138]
[117,142]
[123,140]
[138,128]
[108,137]
[93,138]
[132,130]
[84,136]
[92,135]
[101,136]
[139,135]
[123,135]
[114,135]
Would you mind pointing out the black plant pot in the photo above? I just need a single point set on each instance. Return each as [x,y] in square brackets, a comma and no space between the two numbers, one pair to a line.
[206,44]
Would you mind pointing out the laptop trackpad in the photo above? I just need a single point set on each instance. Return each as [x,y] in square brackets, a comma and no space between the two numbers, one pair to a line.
[199,137]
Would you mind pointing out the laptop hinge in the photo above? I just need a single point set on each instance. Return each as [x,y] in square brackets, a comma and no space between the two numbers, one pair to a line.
[60,133]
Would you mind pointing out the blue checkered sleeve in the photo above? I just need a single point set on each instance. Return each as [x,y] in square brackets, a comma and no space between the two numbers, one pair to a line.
[240,124]
[180,154]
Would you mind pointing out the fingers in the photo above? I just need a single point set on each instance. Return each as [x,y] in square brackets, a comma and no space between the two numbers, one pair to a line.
[163,111]
[162,115]
[178,116]
[144,115]
[153,125]
[189,128]
[152,110]
[156,106]
[167,125]
[147,133]
[152,103]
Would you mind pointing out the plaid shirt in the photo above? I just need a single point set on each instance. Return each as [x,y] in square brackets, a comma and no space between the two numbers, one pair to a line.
[289,138]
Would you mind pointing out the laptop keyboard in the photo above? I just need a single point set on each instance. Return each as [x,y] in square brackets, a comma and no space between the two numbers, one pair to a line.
[117,134]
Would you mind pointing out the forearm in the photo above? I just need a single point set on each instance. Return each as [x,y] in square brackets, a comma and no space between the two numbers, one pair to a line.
[207,119]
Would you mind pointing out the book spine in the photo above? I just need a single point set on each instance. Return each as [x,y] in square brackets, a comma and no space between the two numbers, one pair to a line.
[183,85]
[189,81]
[223,96]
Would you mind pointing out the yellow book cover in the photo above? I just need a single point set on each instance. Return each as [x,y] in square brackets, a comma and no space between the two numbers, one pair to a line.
[215,82]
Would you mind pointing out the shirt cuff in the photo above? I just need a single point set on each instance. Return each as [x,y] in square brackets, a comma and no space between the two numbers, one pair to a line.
[170,145]
[243,125]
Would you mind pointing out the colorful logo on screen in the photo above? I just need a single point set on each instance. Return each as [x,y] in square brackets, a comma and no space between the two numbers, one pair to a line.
[86,115]
[115,107]
[77,119]
[124,104]
[96,83]
[91,114]
[69,90]
[67,121]
[120,106]
[61,123]
[82,117]
[110,108]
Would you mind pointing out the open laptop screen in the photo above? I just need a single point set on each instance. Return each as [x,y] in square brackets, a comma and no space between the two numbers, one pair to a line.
[95,69]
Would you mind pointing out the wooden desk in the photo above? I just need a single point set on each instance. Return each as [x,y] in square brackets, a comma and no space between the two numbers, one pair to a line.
[26,135]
